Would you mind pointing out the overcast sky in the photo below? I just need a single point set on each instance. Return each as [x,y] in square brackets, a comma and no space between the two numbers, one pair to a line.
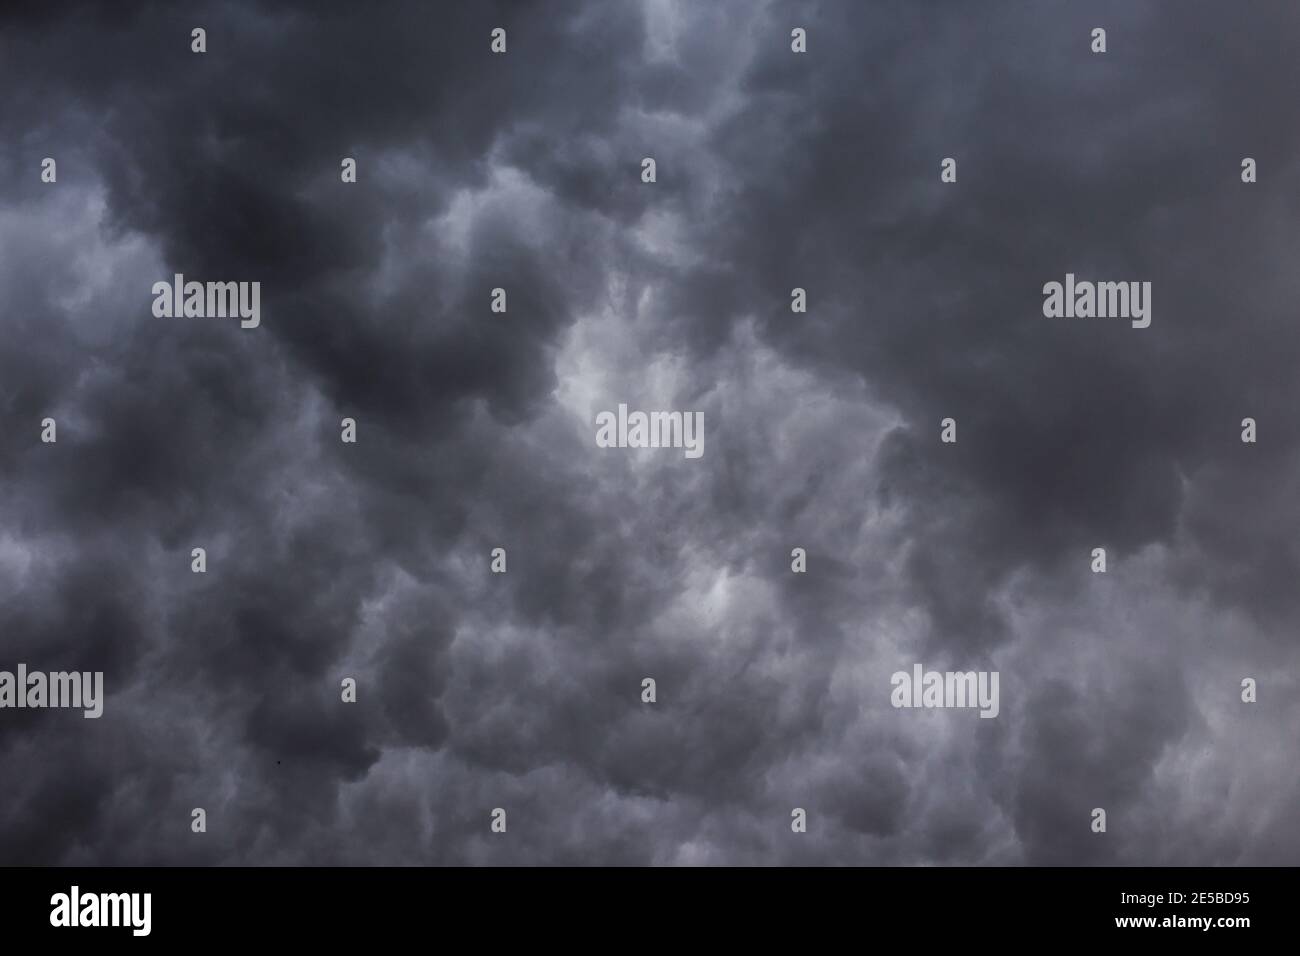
[821,430]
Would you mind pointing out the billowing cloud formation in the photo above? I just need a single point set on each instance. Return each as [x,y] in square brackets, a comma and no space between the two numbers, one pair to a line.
[475,430]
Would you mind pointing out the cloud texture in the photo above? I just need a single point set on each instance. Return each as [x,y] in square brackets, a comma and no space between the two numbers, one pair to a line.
[475,430]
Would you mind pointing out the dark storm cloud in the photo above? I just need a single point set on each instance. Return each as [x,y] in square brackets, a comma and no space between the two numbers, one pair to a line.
[934,292]
[474,431]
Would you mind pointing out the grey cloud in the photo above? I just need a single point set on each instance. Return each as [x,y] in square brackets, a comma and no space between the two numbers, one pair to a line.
[522,690]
